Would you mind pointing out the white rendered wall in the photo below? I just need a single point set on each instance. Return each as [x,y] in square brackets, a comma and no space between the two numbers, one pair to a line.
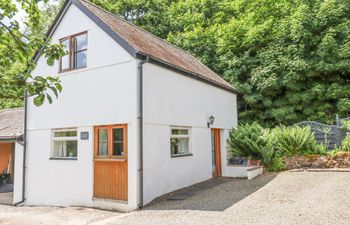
[18,174]
[103,93]
[172,99]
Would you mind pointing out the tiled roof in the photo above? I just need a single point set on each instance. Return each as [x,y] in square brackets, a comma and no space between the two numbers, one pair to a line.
[146,43]
[11,123]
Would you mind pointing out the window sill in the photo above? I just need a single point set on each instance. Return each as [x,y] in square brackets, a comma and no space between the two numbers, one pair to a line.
[181,155]
[67,158]
[71,70]
[111,159]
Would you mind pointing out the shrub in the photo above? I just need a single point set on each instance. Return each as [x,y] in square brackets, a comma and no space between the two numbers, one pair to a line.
[276,164]
[247,141]
[346,124]
[320,149]
[294,140]
[345,144]
[267,153]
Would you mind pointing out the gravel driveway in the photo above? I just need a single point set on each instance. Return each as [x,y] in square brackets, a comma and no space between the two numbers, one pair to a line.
[288,198]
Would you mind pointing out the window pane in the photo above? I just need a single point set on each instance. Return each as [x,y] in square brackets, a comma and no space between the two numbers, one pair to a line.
[179,146]
[66,44]
[65,133]
[81,42]
[118,138]
[65,59]
[213,155]
[80,59]
[118,149]
[179,132]
[65,149]
[118,134]
[65,62]
[103,142]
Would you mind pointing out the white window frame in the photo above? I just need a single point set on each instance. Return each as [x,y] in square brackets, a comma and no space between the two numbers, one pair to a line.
[188,136]
[53,139]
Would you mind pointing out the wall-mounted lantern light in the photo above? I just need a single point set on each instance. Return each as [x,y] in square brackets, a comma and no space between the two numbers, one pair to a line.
[211,120]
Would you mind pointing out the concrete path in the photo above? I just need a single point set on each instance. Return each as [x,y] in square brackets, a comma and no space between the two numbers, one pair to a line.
[6,198]
[289,198]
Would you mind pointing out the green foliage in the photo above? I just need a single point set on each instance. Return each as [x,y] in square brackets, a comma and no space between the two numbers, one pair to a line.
[152,15]
[290,59]
[252,141]
[320,149]
[247,141]
[345,145]
[267,153]
[276,164]
[18,43]
[345,124]
[294,140]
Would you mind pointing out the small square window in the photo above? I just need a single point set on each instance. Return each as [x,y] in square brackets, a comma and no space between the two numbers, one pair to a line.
[65,144]
[179,141]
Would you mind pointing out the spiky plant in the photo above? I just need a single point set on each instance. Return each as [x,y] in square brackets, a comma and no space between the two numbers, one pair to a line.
[294,140]
[247,141]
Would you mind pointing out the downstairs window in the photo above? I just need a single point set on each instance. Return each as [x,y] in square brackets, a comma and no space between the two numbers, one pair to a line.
[65,144]
[179,141]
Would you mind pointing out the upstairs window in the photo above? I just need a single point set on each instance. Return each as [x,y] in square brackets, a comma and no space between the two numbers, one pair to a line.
[76,46]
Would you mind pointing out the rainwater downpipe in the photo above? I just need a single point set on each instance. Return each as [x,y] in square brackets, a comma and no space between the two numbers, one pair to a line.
[140,71]
[24,150]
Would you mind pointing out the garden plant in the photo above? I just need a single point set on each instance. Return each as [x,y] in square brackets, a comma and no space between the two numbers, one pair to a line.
[273,146]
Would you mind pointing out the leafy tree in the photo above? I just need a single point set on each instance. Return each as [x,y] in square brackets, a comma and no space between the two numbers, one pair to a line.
[290,59]
[17,48]
[152,15]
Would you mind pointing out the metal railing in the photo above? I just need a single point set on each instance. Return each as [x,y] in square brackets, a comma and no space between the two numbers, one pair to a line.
[329,135]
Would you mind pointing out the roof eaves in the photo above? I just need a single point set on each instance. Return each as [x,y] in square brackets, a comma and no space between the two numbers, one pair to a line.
[9,138]
[188,73]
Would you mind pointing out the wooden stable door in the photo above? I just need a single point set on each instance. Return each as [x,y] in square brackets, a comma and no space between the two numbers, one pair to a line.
[216,152]
[111,162]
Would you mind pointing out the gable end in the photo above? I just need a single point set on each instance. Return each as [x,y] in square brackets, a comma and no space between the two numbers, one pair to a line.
[185,65]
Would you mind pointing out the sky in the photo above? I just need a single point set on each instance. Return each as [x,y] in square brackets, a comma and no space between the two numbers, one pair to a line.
[21,14]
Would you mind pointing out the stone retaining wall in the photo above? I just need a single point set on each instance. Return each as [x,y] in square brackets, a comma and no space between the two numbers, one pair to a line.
[340,160]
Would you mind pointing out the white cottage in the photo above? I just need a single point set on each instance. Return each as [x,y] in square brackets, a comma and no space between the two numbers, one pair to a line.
[137,117]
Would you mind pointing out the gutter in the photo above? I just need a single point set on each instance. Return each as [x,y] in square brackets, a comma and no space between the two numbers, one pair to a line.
[190,74]
[24,150]
[140,72]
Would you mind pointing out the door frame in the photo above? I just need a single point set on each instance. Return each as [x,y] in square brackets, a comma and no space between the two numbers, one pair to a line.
[110,157]
[217,146]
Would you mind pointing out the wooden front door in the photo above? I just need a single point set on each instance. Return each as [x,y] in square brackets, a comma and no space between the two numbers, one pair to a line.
[216,152]
[111,162]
